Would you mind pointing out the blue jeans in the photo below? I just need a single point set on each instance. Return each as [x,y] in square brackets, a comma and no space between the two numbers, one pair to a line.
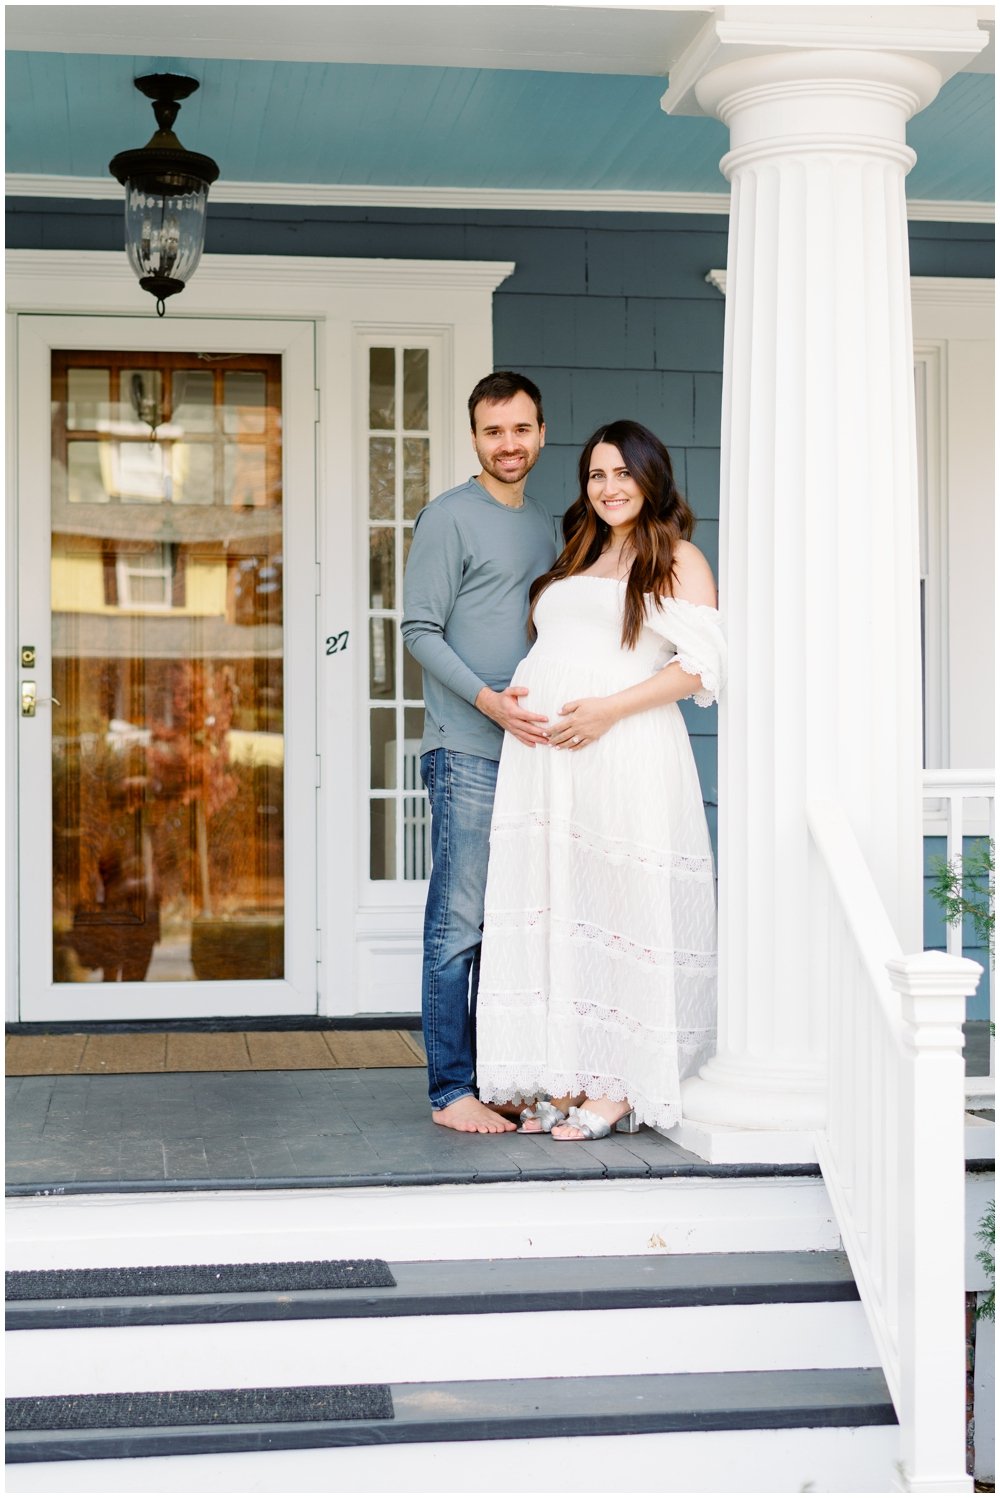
[461,789]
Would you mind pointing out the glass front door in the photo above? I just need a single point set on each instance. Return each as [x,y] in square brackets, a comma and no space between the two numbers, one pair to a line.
[167,656]
[166,711]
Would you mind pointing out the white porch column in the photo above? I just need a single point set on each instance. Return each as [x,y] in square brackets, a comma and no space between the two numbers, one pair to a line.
[819,546]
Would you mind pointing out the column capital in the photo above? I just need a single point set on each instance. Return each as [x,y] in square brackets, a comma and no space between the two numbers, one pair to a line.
[915,48]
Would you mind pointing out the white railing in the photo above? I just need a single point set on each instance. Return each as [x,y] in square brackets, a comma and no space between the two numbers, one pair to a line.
[893,1150]
[960,804]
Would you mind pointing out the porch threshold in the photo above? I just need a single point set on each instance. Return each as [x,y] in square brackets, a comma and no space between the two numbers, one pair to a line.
[249,1130]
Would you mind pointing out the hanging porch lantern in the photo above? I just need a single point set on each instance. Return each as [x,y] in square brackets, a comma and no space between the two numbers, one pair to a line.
[166,192]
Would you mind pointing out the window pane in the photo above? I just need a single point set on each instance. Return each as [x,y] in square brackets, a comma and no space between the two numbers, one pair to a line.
[413,728]
[382,478]
[139,472]
[415,389]
[416,838]
[84,473]
[416,475]
[244,476]
[245,402]
[141,398]
[383,840]
[381,389]
[382,668]
[383,767]
[382,568]
[193,468]
[88,392]
[413,679]
[194,400]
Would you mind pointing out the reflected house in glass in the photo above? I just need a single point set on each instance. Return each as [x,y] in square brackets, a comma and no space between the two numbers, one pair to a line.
[167,608]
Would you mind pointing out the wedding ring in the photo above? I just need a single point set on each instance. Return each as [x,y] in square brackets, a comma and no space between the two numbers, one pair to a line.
[576,739]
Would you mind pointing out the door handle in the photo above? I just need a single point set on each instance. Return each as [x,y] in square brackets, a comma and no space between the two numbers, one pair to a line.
[30,699]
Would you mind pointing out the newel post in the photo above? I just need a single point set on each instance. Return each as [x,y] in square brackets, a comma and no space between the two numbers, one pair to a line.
[932,989]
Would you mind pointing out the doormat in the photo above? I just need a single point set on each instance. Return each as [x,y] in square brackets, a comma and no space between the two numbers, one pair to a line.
[171,1051]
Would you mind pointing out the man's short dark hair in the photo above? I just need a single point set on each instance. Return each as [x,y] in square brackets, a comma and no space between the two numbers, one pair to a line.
[500,387]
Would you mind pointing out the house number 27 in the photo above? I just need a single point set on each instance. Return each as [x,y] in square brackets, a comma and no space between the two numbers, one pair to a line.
[337,642]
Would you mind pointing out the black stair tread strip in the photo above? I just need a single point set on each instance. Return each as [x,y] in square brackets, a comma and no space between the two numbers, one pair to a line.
[520,1408]
[471,1287]
[197,1279]
[326,1402]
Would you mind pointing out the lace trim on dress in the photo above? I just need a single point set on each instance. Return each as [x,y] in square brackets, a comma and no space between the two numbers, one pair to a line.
[700,651]
[530,1000]
[518,1083]
[616,849]
[611,941]
[708,692]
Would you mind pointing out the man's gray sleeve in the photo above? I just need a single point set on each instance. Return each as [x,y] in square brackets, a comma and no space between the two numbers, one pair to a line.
[434,571]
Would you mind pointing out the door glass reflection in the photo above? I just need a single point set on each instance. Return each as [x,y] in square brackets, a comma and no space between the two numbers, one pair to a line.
[167,644]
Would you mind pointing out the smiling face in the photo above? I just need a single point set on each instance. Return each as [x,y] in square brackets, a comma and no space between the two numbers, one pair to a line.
[613,492]
[508,438]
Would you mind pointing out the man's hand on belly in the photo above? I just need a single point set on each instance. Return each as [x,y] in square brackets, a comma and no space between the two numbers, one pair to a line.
[505,709]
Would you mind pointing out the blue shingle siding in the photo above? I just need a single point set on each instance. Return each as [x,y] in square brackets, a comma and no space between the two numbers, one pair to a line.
[609,312]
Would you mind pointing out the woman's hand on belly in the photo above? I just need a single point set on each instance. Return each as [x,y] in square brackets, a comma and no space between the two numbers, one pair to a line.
[583,722]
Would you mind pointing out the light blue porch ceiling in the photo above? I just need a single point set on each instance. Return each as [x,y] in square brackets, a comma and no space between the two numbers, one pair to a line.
[337,123]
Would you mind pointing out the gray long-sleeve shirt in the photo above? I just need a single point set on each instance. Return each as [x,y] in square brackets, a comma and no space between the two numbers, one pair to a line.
[465,607]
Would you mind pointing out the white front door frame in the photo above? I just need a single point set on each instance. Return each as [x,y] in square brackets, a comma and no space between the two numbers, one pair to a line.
[39,998]
[333,298]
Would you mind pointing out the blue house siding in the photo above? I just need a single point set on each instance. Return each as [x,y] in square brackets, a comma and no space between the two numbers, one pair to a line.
[609,312]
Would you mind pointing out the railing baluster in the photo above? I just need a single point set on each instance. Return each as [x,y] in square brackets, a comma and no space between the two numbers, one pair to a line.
[891,1151]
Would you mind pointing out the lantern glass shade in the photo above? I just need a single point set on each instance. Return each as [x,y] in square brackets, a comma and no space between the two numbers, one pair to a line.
[165,230]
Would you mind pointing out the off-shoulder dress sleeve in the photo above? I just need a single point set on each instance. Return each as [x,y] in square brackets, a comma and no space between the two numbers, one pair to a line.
[697,636]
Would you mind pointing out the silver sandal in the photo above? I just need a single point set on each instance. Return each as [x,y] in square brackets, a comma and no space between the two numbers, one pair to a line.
[593,1126]
[543,1112]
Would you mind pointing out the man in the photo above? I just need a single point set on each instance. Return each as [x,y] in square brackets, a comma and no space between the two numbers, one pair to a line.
[476,550]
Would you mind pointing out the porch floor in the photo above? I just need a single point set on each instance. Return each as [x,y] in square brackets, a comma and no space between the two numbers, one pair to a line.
[198,1131]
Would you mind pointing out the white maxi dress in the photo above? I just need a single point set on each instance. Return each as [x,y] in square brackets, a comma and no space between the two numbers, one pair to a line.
[598,970]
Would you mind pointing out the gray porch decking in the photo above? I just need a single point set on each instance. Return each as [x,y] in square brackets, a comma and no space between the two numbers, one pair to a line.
[194,1131]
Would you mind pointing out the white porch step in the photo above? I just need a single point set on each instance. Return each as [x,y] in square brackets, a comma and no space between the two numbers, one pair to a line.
[742,1214]
[712,1343]
[832,1460]
[611,1317]
[759,1346]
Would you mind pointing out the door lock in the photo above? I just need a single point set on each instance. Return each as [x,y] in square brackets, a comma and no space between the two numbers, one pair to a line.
[27,657]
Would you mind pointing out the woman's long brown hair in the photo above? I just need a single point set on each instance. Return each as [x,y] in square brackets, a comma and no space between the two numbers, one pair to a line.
[664,520]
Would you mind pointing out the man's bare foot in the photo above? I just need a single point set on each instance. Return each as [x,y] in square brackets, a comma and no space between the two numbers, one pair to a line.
[470,1116]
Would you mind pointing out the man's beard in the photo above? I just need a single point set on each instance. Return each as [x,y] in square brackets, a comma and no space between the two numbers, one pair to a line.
[491,466]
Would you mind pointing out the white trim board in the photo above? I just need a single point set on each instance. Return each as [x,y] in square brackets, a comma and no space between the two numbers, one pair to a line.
[538,200]
[976,292]
[252,285]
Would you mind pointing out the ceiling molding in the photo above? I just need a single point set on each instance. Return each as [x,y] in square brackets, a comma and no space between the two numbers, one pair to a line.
[610,38]
[512,199]
[925,291]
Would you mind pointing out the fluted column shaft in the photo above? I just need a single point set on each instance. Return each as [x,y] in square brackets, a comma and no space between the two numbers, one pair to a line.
[819,552]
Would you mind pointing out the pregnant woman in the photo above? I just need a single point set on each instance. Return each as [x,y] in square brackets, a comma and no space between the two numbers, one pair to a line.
[597,988]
